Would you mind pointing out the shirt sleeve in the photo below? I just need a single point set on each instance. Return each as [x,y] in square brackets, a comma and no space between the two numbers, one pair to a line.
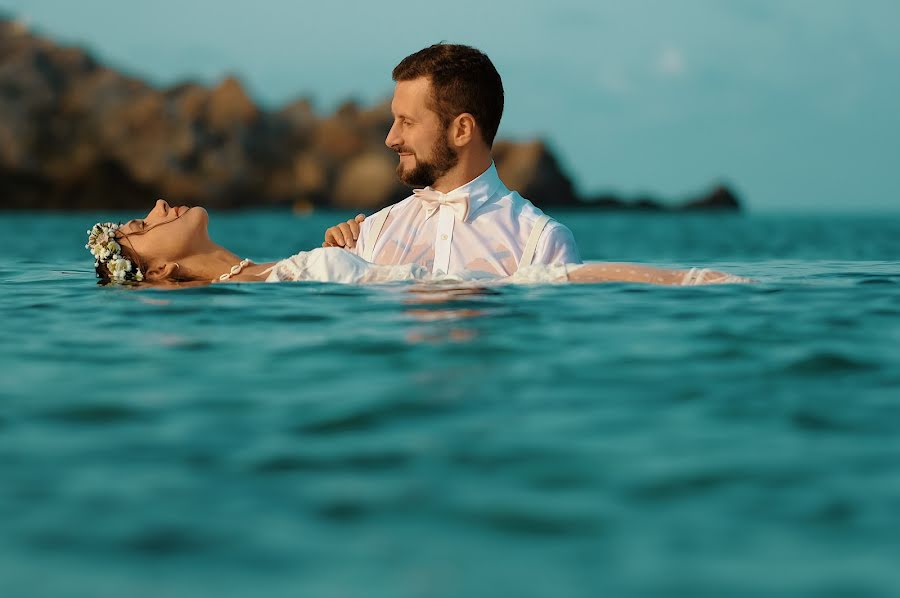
[556,246]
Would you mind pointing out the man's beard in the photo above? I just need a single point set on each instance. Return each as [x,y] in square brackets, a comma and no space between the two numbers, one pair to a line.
[443,158]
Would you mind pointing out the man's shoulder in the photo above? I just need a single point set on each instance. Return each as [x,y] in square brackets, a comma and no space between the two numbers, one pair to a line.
[525,210]
[398,207]
[558,231]
[403,205]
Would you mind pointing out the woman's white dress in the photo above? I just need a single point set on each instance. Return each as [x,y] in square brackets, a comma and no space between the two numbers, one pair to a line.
[334,264]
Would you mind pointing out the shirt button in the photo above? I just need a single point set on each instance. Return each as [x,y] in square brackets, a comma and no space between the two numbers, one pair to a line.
[443,237]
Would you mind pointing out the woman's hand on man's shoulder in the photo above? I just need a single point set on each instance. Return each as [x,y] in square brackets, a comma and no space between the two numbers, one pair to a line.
[344,234]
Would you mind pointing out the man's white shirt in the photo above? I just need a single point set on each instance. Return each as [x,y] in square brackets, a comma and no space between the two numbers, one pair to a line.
[491,239]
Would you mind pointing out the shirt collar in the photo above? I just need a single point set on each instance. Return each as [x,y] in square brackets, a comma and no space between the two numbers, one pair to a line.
[480,189]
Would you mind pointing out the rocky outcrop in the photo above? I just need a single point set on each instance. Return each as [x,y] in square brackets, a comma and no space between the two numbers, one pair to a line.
[531,169]
[719,198]
[75,134]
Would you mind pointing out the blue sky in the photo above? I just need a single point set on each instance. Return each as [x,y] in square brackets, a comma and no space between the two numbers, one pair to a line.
[795,103]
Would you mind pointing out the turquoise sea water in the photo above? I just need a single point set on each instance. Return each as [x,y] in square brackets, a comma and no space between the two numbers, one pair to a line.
[325,440]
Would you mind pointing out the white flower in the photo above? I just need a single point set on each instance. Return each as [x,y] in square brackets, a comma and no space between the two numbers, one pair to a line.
[119,267]
[106,250]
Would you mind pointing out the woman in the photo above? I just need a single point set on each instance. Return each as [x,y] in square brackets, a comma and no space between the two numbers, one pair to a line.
[172,245]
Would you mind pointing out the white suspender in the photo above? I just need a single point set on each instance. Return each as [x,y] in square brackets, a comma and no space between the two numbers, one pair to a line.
[374,233]
[528,254]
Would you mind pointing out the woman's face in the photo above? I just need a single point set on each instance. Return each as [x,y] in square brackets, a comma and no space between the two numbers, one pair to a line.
[166,234]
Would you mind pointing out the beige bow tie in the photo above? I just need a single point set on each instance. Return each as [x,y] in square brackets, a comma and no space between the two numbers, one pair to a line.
[433,200]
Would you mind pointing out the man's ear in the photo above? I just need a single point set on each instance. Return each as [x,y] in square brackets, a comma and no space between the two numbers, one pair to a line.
[463,129]
[161,272]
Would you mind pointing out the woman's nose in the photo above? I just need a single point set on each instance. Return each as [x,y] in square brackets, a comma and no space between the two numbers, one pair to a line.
[161,206]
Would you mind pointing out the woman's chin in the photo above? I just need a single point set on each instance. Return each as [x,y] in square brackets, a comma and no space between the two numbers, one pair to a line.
[196,219]
[198,213]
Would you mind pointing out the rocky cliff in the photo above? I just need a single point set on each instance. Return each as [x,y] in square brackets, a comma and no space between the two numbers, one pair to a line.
[75,134]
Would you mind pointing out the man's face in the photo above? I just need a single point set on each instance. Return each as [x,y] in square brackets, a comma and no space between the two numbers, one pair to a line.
[418,136]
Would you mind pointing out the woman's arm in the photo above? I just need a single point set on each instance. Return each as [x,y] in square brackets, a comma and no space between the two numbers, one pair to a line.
[616,272]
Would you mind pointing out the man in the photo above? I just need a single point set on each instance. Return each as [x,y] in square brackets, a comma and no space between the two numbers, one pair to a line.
[447,105]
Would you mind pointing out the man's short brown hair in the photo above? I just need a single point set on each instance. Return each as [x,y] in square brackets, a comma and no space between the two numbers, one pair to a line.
[463,79]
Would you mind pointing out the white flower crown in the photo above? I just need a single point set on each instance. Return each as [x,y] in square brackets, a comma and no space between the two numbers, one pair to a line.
[106,250]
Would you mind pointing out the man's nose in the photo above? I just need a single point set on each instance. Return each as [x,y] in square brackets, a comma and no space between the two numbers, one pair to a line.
[392,139]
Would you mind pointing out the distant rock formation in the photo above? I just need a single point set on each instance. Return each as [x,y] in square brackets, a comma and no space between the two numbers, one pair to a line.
[75,134]
[532,170]
[719,198]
